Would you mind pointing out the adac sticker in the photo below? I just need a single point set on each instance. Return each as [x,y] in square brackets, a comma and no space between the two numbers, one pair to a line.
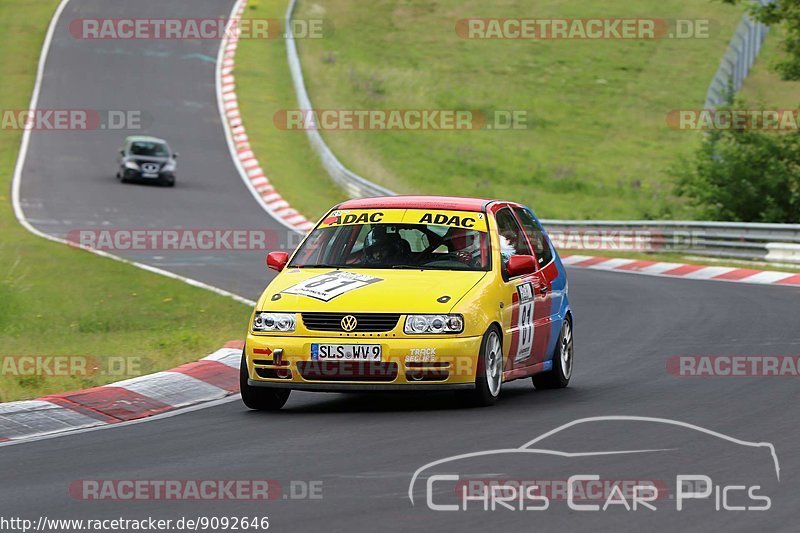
[328,286]
[361,216]
[458,219]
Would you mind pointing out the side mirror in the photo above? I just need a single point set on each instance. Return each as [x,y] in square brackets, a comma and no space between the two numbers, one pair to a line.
[175,155]
[277,260]
[519,265]
[122,153]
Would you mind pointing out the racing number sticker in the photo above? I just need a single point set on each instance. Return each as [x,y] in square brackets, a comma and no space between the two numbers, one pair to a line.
[328,286]
[525,322]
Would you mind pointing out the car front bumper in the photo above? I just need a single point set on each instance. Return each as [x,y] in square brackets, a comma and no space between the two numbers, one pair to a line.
[406,363]
[132,174]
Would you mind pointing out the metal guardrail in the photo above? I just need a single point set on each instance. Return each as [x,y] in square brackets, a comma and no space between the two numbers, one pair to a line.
[353,184]
[738,60]
[778,243]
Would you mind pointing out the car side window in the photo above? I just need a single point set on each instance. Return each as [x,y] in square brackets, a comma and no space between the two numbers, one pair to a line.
[535,234]
[512,240]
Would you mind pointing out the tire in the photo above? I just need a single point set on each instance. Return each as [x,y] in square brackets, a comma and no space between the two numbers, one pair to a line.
[489,374]
[169,182]
[563,360]
[260,398]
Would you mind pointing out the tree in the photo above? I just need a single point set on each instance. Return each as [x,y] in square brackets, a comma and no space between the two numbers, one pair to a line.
[744,176]
[786,12]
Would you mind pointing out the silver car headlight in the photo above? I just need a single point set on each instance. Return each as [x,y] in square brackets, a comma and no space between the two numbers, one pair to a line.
[421,324]
[170,166]
[279,322]
[133,165]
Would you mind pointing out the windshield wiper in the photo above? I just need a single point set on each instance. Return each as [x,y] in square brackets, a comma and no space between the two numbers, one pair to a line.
[318,265]
[408,267]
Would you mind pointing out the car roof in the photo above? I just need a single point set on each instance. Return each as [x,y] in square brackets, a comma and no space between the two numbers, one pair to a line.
[144,138]
[455,203]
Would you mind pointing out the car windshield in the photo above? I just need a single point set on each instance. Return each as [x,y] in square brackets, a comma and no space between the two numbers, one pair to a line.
[396,245]
[150,149]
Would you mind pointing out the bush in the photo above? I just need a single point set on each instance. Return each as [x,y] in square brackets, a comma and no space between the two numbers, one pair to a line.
[786,12]
[744,176]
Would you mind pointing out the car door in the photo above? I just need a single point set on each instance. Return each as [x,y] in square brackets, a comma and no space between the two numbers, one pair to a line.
[521,296]
[547,310]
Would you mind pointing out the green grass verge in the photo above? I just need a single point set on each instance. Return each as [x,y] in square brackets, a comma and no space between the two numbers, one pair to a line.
[56,300]
[598,145]
[263,87]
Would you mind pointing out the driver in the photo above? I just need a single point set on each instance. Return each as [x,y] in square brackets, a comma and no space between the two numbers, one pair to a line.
[464,244]
[382,247]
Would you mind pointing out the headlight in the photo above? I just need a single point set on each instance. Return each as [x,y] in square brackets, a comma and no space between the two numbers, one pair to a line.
[170,166]
[417,324]
[282,322]
[131,165]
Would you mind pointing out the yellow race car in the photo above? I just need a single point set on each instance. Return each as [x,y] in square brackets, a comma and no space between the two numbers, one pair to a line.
[412,292]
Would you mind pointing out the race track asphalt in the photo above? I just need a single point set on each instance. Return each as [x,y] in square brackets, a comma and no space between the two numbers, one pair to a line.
[68,179]
[365,448]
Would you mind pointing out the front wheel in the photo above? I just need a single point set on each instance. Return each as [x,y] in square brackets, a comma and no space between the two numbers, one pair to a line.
[260,398]
[558,377]
[489,374]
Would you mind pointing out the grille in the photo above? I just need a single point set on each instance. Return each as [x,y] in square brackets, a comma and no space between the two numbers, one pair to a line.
[141,162]
[347,371]
[367,322]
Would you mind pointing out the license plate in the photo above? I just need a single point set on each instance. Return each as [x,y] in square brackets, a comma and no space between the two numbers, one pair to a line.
[149,175]
[346,352]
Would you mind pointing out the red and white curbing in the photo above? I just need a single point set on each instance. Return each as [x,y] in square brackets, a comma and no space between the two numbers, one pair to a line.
[247,163]
[681,270]
[212,378]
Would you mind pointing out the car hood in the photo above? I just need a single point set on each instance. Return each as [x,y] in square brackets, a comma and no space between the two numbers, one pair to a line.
[387,291]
